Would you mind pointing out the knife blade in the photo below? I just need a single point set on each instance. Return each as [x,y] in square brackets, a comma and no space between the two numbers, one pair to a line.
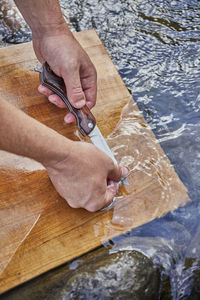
[86,122]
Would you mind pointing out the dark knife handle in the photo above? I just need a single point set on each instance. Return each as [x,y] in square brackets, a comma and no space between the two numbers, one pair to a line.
[85,119]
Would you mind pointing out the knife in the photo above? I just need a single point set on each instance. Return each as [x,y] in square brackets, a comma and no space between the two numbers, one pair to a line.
[86,122]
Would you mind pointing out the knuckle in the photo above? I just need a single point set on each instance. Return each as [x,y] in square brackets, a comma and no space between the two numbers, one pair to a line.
[73,64]
[72,205]
[91,207]
[77,90]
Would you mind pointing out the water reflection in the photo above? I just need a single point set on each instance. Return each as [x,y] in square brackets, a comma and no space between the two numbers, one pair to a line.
[156,47]
[174,246]
[13,28]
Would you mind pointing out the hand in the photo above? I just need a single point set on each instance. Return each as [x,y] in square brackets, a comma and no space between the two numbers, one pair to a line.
[79,171]
[82,177]
[68,60]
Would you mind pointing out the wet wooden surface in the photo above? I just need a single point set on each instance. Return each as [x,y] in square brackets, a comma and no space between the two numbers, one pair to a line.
[39,231]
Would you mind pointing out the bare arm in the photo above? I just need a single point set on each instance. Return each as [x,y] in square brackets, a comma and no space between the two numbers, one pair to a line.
[23,135]
[79,171]
[43,16]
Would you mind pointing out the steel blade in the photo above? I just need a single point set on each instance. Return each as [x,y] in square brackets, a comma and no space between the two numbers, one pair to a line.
[99,141]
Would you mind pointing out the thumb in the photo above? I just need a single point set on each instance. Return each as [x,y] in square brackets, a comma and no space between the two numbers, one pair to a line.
[74,89]
[117,173]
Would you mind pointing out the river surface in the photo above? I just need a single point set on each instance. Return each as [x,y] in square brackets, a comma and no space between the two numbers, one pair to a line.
[155,45]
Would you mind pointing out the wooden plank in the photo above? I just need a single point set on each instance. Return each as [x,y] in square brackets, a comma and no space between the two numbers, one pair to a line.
[39,231]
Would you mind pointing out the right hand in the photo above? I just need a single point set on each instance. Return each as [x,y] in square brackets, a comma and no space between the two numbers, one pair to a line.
[82,177]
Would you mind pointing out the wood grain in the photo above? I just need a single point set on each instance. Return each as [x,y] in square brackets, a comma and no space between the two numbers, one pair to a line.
[39,231]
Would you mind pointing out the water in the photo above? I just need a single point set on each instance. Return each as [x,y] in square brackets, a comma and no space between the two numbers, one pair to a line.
[156,48]
[13,28]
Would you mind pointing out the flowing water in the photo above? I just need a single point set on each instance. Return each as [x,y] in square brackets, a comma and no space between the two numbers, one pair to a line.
[156,48]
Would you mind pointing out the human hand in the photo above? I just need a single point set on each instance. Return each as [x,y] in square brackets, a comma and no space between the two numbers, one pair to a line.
[68,60]
[82,177]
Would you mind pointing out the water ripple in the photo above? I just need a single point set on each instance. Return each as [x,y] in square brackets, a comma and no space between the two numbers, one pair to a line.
[156,48]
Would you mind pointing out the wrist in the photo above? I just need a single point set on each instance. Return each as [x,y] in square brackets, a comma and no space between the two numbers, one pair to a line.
[57,150]
[50,29]
[43,16]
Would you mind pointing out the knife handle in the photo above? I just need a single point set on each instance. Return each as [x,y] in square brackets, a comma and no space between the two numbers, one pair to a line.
[85,119]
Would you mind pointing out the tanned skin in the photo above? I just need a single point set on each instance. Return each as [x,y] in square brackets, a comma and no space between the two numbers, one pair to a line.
[78,171]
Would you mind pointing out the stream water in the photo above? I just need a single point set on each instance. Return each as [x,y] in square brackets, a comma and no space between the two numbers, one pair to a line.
[156,48]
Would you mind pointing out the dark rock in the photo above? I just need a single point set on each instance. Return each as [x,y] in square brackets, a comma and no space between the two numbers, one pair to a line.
[195,286]
[97,275]
[13,28]
[122,275]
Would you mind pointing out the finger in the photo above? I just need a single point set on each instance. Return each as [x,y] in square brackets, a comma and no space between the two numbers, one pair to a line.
[90,100]
[74,89]
[69,118]
[89,85]
[113,185]
[117,173]
[110,195]
[55,99]
[111,192]
[106,199]
[44,90]
[92,207]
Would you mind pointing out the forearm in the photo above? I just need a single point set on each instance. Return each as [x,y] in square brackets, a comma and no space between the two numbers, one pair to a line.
[43,16]
[23,135]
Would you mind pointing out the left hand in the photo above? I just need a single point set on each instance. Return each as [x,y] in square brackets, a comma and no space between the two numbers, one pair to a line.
[68,60]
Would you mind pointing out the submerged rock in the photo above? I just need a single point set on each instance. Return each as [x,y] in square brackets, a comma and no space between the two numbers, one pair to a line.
[195,286]
[122,275]
[13,28]
[97,275]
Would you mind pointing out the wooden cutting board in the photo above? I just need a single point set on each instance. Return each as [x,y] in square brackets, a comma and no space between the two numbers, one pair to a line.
[39,231]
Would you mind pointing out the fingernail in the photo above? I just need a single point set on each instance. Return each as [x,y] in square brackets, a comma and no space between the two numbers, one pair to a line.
[80,103]
[124,172]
